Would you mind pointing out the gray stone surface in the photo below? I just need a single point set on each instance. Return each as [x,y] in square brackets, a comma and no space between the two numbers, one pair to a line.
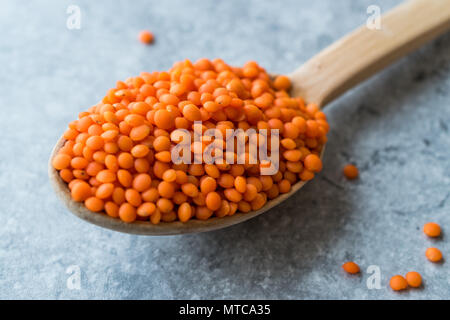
[395,127]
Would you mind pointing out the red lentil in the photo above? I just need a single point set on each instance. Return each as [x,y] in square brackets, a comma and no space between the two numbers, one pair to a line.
[146,37]
[350,267]
[432,229]
[350,171]
[414,279]
[433,254]
[398,283]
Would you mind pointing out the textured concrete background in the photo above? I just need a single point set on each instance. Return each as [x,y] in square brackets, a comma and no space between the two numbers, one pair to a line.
[395,127]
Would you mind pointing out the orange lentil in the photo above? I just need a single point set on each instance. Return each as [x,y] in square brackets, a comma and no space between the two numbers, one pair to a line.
[284,186]
[184,212]
[190,190]
[181,177]
[295,167]
[141,182]
[81,191]
[155,218]
[141,165]
[133,197]
[433,254]
[398,283]
[169,175]
[207,185]
[159,168]
[200,199]
[300,123]
[111,162]
[312,128]
[290,176]
[66,175]
[125,178]
[112,209]
[250,192]
[288,143]
[350,171]
[117,154]
[432,229]
[161,143]
[213,201]
[226,180]
[266,182]
[244,206]
[414,279]
[125,160]
[237,170]
[350,267]
[166,189]
[282,83]
[224,209]
[196,169]
[273,192]
[106,176]
[292,155]
[179,197]
[259,201]
[140,151]
[61,161]
[164,205]
[95,142]
[146,37]
[306,175]
[192,113]
[118,195]
[146,209]
[125,143]
[203,213]
[163,156]
[240,184]
[233,208]
[127,212]
[140,132]
[232,194]
[150,195]
[94,204]
[104,191]
[212,171]
[290,131]
[313,163]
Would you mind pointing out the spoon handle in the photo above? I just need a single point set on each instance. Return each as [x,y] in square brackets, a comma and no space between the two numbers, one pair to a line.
[365,51]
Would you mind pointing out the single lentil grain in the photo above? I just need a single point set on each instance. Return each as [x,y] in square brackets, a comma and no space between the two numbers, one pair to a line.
[350,171]
[414,279]
[398,283]
[432,229]
[433,254]
[350,267]
[146,37]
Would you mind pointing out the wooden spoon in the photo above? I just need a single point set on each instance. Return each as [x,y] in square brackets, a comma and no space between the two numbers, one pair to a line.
[322,79]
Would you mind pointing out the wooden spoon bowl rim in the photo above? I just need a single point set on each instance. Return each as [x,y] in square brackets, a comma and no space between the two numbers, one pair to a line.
[145,227]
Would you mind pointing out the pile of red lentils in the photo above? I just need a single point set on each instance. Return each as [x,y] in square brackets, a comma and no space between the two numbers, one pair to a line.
[117,155]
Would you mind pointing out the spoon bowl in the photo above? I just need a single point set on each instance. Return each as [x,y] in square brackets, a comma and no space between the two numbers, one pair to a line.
[322,79]
[145,227]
